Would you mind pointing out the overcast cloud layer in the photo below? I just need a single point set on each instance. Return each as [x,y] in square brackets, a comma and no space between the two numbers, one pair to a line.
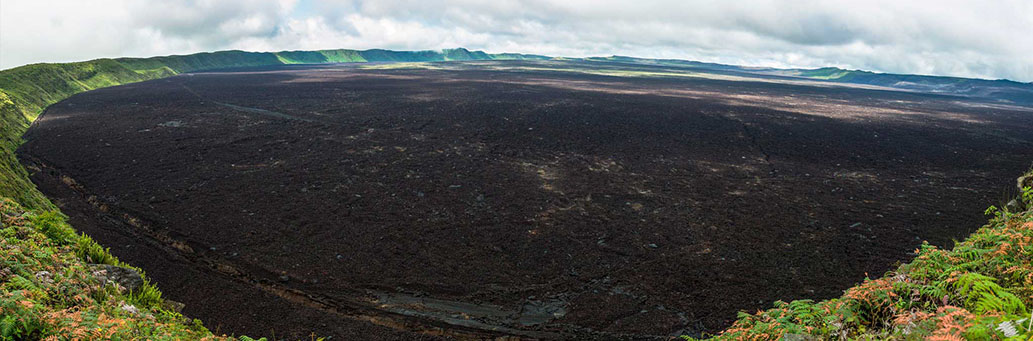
[985,39]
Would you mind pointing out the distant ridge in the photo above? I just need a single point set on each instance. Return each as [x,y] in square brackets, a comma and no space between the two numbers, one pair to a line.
[224,59]
[1000,90]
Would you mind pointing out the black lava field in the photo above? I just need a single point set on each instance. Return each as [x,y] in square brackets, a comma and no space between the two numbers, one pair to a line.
[532,199]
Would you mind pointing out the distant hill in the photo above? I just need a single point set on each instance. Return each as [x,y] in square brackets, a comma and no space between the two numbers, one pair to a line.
[1002,90]
[225,59]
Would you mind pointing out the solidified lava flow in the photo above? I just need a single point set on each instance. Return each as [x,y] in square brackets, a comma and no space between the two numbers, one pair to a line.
[537,202]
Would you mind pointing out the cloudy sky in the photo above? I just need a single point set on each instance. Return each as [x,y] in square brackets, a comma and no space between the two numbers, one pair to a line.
[986,39]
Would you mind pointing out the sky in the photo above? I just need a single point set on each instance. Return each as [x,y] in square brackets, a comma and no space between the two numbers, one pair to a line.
[982,39]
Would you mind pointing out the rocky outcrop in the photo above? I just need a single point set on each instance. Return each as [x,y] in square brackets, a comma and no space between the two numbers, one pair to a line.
[125,278]
[1018,204]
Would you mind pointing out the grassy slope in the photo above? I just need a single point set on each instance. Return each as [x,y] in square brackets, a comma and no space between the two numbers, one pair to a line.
[25,91]
[48,289]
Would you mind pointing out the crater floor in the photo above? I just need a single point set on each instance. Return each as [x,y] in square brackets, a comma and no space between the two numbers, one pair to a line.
[524,198]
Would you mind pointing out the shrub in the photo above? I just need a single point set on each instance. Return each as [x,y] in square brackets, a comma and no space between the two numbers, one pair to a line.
[52,224]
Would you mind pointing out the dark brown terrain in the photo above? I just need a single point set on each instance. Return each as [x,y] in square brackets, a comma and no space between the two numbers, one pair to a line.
[505,198]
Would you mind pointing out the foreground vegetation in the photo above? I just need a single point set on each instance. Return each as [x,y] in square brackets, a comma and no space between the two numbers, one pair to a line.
[982,289]
[51,287]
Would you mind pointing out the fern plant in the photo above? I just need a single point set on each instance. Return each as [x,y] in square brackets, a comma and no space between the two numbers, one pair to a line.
[1027,196]
[983,295]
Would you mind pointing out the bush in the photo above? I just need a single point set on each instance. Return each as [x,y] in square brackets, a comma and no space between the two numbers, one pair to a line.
[52,224]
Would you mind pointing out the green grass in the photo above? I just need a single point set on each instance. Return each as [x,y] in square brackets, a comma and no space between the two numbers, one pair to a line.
[24,93]
[47,288]
[829,73]
[320,57]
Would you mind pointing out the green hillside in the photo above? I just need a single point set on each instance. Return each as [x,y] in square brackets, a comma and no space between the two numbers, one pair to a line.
[319,57]
[24,93]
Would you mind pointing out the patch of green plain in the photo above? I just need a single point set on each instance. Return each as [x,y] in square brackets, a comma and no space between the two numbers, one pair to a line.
[402,66]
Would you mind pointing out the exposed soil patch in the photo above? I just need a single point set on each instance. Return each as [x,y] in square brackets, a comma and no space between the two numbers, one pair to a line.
[468,202]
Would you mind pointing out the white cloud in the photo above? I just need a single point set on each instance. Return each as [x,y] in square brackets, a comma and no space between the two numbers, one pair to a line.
[950,37]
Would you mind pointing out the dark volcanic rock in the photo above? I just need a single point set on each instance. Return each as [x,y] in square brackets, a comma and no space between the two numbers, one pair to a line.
[126,278]
[486,186]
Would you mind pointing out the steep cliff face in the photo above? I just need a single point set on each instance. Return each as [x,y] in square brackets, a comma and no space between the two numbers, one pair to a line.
[24,93]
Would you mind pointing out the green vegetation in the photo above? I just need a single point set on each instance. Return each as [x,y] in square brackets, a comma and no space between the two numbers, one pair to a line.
[318,57]
[519,56]
[25,91]
[982,289]
[828,73]
[48,289]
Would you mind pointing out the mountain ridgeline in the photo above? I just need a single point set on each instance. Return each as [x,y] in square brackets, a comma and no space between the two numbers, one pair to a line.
[226,59]
[1000,91]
